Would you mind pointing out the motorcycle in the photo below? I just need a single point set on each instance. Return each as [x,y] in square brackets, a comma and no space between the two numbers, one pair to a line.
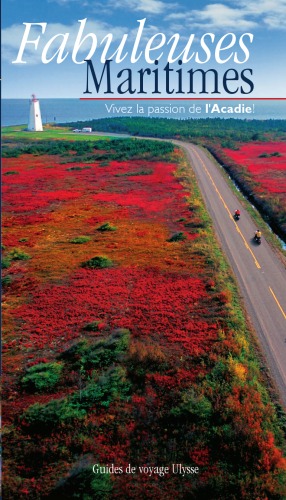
[236,216]
[257,239]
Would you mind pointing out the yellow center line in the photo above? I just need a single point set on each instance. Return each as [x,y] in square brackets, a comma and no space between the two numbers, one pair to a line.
[277,302]
[227,209]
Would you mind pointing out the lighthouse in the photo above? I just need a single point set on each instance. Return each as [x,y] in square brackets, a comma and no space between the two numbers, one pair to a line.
[35,120]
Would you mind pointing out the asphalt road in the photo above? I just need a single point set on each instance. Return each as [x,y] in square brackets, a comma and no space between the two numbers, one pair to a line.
[260,273]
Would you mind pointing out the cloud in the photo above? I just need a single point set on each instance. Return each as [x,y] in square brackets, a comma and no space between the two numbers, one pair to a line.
[83,3]
[176,16]
[261,7]
[242,15]
[272,13]
[150,6]
[13,35]
[221,15]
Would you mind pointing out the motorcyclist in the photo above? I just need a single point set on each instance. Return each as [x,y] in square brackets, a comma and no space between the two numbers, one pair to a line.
[257,234]
[237,212]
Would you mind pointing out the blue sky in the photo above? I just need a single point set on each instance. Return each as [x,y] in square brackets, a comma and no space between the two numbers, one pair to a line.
[265,19]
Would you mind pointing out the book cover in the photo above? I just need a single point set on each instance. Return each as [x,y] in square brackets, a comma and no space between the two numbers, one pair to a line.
[143,249]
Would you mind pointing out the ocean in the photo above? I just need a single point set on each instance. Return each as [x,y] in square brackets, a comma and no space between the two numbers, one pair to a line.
[16,111]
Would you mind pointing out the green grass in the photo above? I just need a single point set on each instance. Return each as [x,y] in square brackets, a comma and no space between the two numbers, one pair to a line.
[177,237]
[6,281]
[92,326]
[18,254]
[82,483]
[102,390]
[106,227]
[42,377]
[5,262]
[100,354]
[80,239]
[19,132]
[98,262]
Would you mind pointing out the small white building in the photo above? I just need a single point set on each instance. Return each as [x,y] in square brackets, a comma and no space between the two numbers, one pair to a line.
[35,120]
[87,129]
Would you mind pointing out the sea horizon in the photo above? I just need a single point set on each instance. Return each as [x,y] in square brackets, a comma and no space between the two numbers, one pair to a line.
[64,110]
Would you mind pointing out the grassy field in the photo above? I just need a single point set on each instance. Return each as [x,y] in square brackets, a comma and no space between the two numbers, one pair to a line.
[49,132]
[124,341]
[234,143]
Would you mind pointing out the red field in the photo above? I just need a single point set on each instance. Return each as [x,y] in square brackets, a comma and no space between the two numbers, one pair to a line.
[270,170]
[265,164]
[137,360]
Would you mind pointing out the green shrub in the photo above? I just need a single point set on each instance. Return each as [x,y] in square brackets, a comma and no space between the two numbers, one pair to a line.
[6,280]
[195,223]
[81,483]
[106,351]
[193,404]
[102,391]
[118,340]
[11,172]
[196,404]
[100,354]
[42,377]
[92,326]
[269,155]
[177,237]
[220,379]
[18,254]
[5,263]
[106,227]
[45,417]
[98,357]
[148,171]
[74,354]
[110,385]
[98,262]
[80,239]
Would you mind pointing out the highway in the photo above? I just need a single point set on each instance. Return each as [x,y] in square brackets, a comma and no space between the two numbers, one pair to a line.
[260,273]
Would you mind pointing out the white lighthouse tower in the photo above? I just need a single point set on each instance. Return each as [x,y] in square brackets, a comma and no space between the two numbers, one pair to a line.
[35,120]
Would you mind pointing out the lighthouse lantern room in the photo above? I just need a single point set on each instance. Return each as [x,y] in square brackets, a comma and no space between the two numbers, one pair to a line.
[35,120]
